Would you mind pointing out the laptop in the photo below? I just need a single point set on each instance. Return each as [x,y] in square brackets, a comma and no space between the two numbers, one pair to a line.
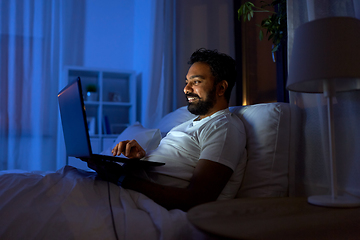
[75,128]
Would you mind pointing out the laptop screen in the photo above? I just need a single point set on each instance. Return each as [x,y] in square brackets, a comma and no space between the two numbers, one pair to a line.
[73,118]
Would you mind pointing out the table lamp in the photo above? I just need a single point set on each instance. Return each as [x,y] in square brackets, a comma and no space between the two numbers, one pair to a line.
[326,59]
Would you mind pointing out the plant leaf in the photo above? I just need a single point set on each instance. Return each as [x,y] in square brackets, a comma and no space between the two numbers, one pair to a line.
[275,48]
[275,25]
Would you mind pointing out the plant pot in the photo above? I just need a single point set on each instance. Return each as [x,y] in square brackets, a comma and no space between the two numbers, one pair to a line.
[91,96]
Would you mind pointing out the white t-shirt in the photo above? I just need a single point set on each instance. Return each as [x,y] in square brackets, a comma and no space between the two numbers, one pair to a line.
[220,138]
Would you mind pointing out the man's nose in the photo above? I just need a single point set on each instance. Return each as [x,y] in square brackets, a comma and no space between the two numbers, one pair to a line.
[187,88]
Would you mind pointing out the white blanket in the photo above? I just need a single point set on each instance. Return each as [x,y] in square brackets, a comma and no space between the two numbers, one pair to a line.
[73,204]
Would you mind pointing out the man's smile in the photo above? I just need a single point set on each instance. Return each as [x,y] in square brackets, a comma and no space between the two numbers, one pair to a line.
[192,99]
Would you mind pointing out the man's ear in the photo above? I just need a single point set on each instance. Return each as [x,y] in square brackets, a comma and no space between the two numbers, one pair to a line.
[222,86]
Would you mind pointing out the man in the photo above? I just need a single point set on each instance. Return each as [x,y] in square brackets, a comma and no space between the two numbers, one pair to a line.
[201,155]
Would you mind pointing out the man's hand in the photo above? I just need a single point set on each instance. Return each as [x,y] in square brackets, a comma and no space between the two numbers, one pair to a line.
[130,149]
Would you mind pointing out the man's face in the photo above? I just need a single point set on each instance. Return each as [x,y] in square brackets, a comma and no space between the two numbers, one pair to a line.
[200,89]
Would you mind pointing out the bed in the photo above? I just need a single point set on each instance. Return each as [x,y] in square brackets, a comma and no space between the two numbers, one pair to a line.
[74,204]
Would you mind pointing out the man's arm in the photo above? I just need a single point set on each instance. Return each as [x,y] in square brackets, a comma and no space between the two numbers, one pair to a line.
[208,180]
[206,184]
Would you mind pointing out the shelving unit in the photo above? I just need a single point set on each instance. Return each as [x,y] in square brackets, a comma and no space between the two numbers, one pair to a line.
[111,110]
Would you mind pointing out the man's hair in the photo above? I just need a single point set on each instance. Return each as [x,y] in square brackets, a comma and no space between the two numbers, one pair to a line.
[222,66]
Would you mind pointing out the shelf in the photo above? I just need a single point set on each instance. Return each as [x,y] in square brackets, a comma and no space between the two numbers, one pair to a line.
[115,105]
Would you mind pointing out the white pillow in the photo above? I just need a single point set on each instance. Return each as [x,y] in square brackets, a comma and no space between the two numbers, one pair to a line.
[173,119]
[267,129]
[148,139]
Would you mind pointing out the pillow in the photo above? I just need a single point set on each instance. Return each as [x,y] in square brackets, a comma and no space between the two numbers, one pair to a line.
[267,129]
[148,139]
[173,119]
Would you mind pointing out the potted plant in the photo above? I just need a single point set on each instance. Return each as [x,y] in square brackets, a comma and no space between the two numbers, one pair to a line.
[91,92]
[275,24]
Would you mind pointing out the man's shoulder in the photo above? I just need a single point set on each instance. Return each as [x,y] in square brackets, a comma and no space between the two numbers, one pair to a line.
[225,119]
[226,116]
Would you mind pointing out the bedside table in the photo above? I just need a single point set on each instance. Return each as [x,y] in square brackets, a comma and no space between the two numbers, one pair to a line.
[275,218]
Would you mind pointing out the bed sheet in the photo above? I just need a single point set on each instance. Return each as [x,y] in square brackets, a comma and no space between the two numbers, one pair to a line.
[74,204]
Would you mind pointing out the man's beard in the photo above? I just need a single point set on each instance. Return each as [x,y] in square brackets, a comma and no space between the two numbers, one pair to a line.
[201,107]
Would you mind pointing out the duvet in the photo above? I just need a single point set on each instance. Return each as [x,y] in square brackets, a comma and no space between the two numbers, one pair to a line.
[74,204]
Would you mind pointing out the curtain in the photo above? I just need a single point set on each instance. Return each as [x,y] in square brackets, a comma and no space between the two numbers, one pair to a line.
[159,85]
[312,170]
[179,28]
[33,38]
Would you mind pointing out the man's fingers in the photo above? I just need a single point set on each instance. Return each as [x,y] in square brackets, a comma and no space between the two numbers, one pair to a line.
[130,149]
[119,148]
[131,145]
[134,150]
[141,154]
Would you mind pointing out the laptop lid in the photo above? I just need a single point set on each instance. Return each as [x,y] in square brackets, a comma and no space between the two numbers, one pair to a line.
[73,118]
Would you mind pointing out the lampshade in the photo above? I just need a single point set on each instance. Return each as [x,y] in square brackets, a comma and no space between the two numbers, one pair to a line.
[326,49]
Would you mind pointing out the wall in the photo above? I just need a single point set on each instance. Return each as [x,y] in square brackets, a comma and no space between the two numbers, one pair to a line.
[119,35]
[109,34]
[202,23]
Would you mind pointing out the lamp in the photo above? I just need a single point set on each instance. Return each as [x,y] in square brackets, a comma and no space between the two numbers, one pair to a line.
[326,59]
